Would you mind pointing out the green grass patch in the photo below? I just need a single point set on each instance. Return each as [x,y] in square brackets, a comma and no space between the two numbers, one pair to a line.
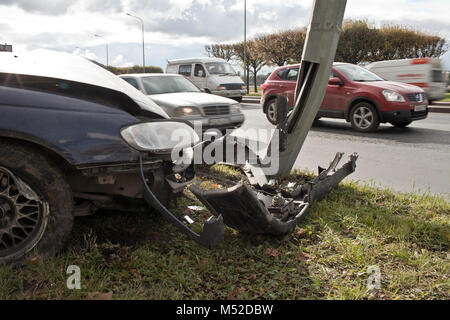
[447,97]
[253,93]
[141,256]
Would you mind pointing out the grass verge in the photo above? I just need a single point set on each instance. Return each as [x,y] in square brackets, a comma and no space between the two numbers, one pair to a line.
[141,256]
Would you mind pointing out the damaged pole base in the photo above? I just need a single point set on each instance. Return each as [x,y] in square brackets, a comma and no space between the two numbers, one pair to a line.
[266,210]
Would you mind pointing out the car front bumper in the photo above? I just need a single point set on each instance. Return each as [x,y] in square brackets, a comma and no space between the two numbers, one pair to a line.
[400,116]
[230,93]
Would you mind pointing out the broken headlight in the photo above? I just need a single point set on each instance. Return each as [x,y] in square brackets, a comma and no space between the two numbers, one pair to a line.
[160,137]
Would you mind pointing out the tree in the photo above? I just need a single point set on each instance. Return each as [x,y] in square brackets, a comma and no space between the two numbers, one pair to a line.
[276,48]
[357,42]
[223,51]
[135,69]
[362,42]
[255,58]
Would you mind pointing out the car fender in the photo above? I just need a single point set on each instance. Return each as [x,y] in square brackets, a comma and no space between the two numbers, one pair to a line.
[361,98]
[266,99]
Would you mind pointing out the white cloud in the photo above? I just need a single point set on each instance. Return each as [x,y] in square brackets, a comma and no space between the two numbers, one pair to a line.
[86,53]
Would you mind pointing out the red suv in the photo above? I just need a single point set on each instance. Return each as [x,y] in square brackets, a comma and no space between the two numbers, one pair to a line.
[354,94]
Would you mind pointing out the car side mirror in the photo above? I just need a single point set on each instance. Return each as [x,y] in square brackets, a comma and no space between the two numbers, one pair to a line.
[335,81]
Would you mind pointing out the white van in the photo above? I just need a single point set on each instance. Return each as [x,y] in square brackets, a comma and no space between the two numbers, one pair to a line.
[213,75]
[422,72]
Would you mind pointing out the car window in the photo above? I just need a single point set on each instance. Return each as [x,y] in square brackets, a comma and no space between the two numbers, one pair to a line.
[282,74]
[292,74]
[168,84]
[185,70]
[132,81]
[199,71]
[220,68]
[437,76]
[356,73]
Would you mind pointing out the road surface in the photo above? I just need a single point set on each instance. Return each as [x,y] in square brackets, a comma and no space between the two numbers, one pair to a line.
[413,158]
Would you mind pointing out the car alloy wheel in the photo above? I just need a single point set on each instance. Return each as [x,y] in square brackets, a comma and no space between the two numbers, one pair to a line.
[363,117]
[272,111]
[23,216]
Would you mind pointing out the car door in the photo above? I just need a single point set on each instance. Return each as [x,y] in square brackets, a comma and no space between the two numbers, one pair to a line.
[333,101]
[199,77]
[289,84]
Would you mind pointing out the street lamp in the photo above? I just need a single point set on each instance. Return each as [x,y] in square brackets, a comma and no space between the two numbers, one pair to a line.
[143,43]
[246,75]
[107,58]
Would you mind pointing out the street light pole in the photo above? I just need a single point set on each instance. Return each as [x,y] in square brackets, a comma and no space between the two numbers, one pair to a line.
[107,54]
[143,42]
[245,47]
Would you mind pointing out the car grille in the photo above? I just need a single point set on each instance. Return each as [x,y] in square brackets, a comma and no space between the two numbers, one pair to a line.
[416,97]
[418,114]
[216,110]
[233,86]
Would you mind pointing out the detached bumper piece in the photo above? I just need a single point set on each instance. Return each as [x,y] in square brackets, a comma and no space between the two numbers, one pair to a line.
[264,209]
[213,228]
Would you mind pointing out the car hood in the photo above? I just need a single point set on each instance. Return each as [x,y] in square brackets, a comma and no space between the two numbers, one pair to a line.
[224,79]
[66,66]
[189,99]
[395,86]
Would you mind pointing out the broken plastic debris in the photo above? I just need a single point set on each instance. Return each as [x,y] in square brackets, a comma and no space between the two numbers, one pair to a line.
[195,208]
[189,220]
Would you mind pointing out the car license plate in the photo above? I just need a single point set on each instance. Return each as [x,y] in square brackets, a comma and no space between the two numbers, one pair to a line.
[420,108]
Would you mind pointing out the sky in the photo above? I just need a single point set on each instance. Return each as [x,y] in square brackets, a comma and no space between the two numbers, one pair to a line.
[182,28]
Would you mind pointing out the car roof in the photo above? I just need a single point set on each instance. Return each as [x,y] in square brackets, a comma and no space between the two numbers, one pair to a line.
[142,75]
[298,64]
[193,60]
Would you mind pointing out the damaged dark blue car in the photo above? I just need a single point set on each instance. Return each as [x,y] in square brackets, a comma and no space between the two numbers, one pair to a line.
[74,138]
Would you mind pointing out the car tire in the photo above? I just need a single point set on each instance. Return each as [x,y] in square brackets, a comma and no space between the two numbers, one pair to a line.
[36,205]
[401,124]
[271,111]
[364,117]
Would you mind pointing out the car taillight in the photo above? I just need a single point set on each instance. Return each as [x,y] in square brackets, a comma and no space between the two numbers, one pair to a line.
[264,85]
[419,61]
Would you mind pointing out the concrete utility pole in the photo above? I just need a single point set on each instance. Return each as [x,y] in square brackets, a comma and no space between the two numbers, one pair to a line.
[318,56]
[143,42]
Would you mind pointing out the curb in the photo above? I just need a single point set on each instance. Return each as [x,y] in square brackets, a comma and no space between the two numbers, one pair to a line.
[437,107]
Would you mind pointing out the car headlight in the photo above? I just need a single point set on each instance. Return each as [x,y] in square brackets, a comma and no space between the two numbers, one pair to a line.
[222,87]
[235,108]
[393,96]
[159,137]
[244,87]
[185,111]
